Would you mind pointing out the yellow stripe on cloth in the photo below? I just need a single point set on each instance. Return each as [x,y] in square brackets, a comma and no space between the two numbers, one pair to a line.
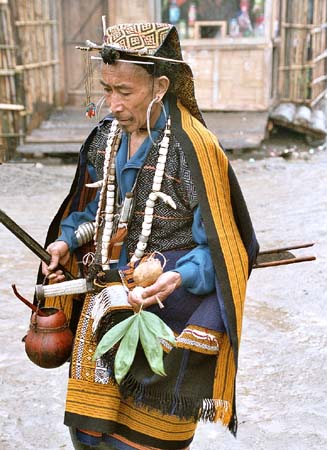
[154,423]
[224,380]
[95,400]
[214,168]
[102,401]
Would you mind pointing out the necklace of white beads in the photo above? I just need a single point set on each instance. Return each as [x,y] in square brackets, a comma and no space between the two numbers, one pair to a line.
[106,205]
[107,197]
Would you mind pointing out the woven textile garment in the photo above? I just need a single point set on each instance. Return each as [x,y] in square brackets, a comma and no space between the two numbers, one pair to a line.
[163,412]
[158,411]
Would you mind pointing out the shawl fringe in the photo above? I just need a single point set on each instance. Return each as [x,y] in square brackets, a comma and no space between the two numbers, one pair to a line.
[206,410]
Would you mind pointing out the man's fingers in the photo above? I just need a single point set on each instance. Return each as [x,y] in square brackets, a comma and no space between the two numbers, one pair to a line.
[53,275]
[54,261]
[152,290]
[59,252]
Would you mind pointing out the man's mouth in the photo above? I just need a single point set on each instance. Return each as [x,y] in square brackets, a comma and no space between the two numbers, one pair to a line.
[122,121]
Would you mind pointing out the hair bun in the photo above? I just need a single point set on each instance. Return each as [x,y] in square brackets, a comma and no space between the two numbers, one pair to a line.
[109,55]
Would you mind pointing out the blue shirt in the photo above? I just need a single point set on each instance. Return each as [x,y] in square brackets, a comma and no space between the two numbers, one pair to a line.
[196,267]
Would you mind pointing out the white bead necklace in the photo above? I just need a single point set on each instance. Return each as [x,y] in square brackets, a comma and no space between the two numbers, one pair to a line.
[107,194]
[154,195]
[108,189]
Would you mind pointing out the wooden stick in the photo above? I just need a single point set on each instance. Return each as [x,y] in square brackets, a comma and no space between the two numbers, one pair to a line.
[284,249]
[11,107]
[283,262]
[23,23]
[301,26]
[36,65]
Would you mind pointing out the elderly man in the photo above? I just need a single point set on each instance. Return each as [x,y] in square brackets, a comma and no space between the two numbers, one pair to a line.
[153,180]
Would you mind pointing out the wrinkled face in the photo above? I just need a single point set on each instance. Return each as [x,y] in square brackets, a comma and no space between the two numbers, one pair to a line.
[128,90]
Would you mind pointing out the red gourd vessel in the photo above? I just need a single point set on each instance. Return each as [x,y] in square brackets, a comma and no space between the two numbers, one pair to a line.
[49,341]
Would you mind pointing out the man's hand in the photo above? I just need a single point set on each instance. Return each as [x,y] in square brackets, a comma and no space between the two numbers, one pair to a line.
[59,252]
[157,292]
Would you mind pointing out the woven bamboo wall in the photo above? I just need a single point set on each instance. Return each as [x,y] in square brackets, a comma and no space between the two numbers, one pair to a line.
[29,78]
[303,53]
[319,52]
[9,104]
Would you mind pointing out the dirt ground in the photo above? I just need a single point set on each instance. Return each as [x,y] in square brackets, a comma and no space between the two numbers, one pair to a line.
[282,387]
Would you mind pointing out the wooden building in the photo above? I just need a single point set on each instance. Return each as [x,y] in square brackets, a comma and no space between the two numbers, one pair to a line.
[246,55]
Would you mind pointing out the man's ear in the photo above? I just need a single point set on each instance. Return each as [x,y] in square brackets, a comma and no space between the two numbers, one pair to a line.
[162,86]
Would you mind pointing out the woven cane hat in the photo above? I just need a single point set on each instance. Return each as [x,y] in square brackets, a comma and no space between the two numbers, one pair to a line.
[155,42]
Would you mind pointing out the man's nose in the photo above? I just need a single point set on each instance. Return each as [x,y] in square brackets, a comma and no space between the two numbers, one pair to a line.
[116,105]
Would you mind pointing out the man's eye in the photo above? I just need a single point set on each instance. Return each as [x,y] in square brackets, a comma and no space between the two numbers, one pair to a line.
[106,89]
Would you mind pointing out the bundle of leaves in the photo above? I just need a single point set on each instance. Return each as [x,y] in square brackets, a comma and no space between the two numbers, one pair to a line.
[145,327]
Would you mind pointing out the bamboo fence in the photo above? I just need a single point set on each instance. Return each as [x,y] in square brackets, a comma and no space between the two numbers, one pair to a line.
[319,53]
[28,63]
[9,105]
[303,55]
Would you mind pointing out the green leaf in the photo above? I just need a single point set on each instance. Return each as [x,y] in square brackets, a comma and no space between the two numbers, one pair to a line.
[112,336]
[127,349]
[152,347]
[157,326]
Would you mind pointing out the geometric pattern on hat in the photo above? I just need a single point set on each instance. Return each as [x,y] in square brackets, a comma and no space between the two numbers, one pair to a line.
[143,37]
[156,40]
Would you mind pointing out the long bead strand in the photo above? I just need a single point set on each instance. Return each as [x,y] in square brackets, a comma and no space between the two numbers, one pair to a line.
[106,203]
[154,194]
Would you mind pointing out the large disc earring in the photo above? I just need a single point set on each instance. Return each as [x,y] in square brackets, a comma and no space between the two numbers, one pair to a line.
[99,106]
[148,115]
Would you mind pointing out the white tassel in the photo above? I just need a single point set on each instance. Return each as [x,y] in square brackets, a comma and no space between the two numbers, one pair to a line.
[102,302]
[109,297]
